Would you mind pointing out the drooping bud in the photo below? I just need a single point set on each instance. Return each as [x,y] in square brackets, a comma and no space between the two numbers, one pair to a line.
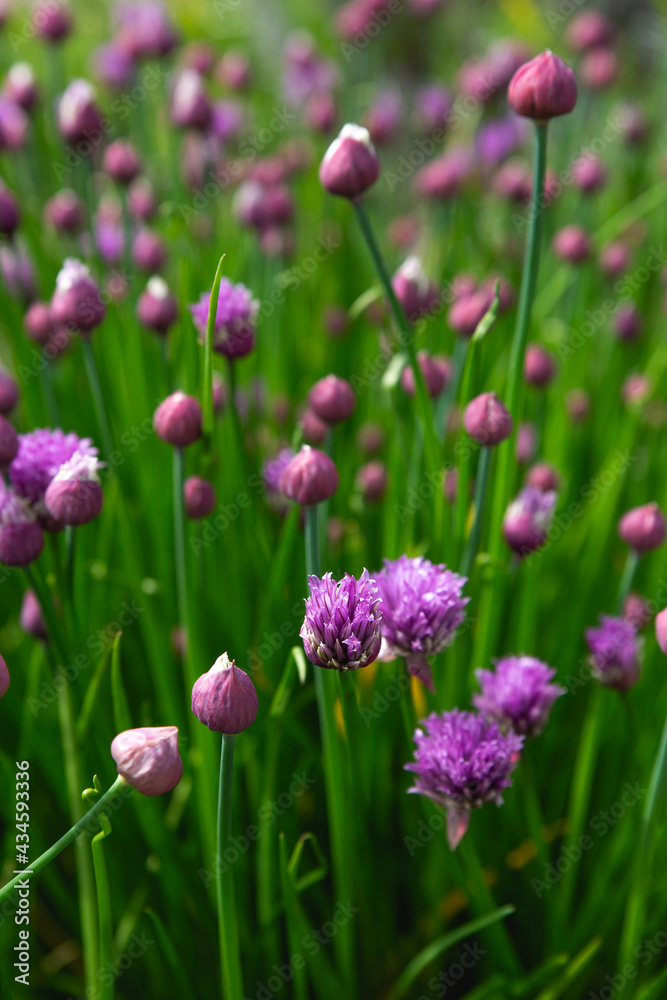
[199,496]
[350,165]
[310,478]
[543,88]
[148,758]
[74,495]
[178,420]
[486,420]
[224,698]
[643,528]
[332,399]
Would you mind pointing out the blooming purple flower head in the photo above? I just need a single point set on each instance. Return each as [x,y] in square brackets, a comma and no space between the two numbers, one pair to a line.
[421,609]
[273,470]
[341,630]
[527,520]
[518,695]
[21,536]
[113,65]
[462,761]
[144,29]
[40,456]
[615,653]
[234,334]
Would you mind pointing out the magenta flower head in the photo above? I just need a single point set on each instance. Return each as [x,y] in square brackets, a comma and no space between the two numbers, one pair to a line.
[589,173]
[462,760]
[121,161]
[417,294]
[37,322]
[9,392]
[113,66]
[643,528]
[526,443]
[543,88]
[443,177]
[539,367]
[543,477]
[224,698]
[21,85]
[615,653]
[273,469]
[42,453]
[628,322]
[141,199]
[437,373]
[310,478]
[149,252]
[486,420]
[74,495]
[234,333]
[79,118]
[157,308]
[144,29]
[178,420]
[422,608]
[518,695]
[589,30]
[372,480]
[614,259]
[148,758]
[4,678]
[332,399]
[199,497]
[52,21]
[528,519]
[341,630]
[21,536]
[77,302]
[661,629]
[350,165]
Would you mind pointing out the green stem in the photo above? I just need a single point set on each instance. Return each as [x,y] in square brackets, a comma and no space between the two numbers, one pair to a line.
[431,443]
[37,583]
[481,482]
[628,576]
[98,398]
[79,827]
[179,552]
[104,916]
[207,385]
[337,800]
[483,903]
[230,961]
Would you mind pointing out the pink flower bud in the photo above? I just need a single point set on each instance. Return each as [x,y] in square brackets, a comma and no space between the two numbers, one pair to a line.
[417,294]
[599,68]
[21,535]
[468,310]
[487,420]
[31,618]
[614,259]
[636,389]
[661,629]
[199,496]
[371,479]
[643,528]
[148,251]
[4,678]
[121,161]
[79,118]
[589,173]
[141,199]
[332,399]
[178,420]
[321,112]
[526,443]
[224,698]
[52,21]
[444,176]
[539,367]
[572,244]
[310,478]
[578,404]
[37,322]
[313,429]
[157,308]
[74,495]
[233,70]
[543,88]
[350,165]
[190,104]
[588,30]
[65,211]
[9,443]
[76,302]
[21,85]
[628,322]
[437,373]
[148,758]
[9,392]
[543,477]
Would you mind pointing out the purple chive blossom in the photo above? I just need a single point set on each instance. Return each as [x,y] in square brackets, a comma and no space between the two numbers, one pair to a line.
[518,695]
[41,454]
[421,609]
[527,520]
[234,334]
[273,470]
[615,653]
[462,760]
[21,537]
[341,630]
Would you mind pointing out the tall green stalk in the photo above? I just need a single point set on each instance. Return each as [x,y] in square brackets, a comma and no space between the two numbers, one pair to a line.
[228,934]
[98,398]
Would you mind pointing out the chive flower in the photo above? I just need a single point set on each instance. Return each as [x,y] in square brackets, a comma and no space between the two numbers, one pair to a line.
[341,630]
[518,695]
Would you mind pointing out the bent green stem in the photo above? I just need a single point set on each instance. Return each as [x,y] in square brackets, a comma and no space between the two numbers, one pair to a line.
[230,962]
[85,823]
